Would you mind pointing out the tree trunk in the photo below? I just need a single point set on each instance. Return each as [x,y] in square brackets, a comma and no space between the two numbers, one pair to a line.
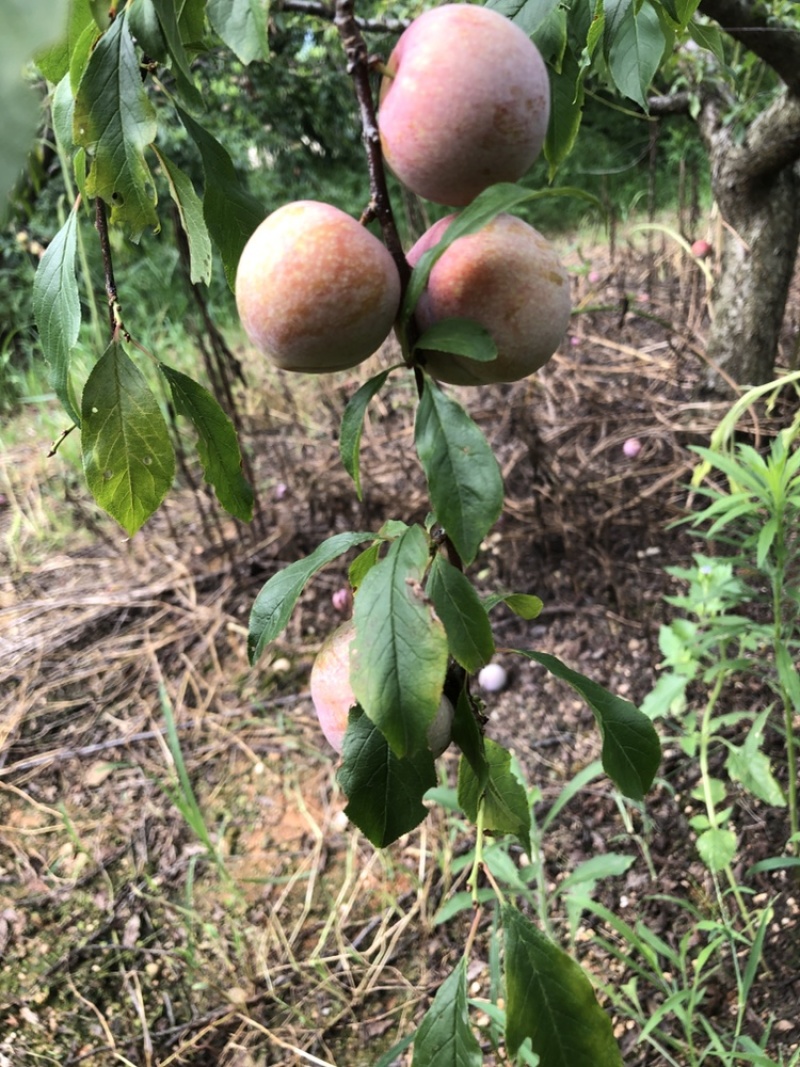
[756,183]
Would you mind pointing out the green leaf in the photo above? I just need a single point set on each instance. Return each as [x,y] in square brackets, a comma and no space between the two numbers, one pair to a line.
[717,847]
[631,749]
[62,110]
[363,563]
[190,209]
[399,655]
[528,14]
[53,62]
[168,20]
[57,309]
[242,25]
[444,1038]
[464,480]
[550,1000]
[522,604]
[505,803]
[277,598]
[634,42]
[384,792]
[566,112]
[115,121]
[145,26]
[469,634]
[353,425]
[128,456]
[217,445]
[467,735]
[460,336]
[231,213]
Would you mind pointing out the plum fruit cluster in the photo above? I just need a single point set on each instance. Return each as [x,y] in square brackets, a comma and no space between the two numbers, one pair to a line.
[464,104]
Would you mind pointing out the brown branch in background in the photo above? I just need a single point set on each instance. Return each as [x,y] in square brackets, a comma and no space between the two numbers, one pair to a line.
[358,67]
[114,316]
[328,13]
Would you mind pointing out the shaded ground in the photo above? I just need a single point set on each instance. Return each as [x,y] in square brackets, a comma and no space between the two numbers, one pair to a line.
[122,941]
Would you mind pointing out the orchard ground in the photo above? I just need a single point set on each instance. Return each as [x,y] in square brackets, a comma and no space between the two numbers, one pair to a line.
[122,939]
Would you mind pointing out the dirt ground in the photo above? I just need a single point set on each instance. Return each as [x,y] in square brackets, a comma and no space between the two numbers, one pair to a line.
[121,941]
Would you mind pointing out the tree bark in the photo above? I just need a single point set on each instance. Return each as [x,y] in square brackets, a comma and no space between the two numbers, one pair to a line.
[757,187]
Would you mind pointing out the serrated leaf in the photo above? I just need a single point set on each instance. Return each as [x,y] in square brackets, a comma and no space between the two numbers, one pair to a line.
[384,792]
[444,1038]
[469,634]
[217,445]
[128,456]
[115,121]
[190,209]
[550,1000]
[631,749]
[353,425]
[505,803]
[277,598]
[464,480]
[634,46]
[57,309]
[231,213]
[469,738]
[398,659]
[717,847]
[463,337]
[242,25]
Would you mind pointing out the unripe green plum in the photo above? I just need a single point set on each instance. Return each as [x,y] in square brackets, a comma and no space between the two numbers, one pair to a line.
[465,103]
[333,696]
[507,278]
[315,290]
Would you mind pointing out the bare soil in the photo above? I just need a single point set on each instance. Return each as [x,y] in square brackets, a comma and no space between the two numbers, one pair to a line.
[121,941]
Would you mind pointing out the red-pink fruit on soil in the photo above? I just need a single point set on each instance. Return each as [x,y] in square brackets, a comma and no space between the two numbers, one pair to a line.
[632,447]
[333,696]
[701,249]
[465,103]
[315,290]
[509,279]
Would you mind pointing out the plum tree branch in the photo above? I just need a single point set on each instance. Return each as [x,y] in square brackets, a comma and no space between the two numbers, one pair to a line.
[327,12]
[101,224]
[750,23]
[358,67]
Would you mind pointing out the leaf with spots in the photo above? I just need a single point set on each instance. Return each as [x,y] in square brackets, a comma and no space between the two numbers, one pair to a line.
[128,457]
[115,121]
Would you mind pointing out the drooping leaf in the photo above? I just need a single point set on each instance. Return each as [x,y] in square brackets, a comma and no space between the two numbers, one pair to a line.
[62,109]
[170,27]
[444,1038]
[505,803]
[190,209]
[146,29]
[550,1000]
[634,46]
[399,655]
[384,792]
[631,749]
[353,425]
[24,28]
[128,456]
[464,480]
[57,309]
[217,444]
[566,112]
[460,336]
[469,634]
[115,121]
[469,738]
[231,213]
[242,25]
[277,598]
[524,605]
